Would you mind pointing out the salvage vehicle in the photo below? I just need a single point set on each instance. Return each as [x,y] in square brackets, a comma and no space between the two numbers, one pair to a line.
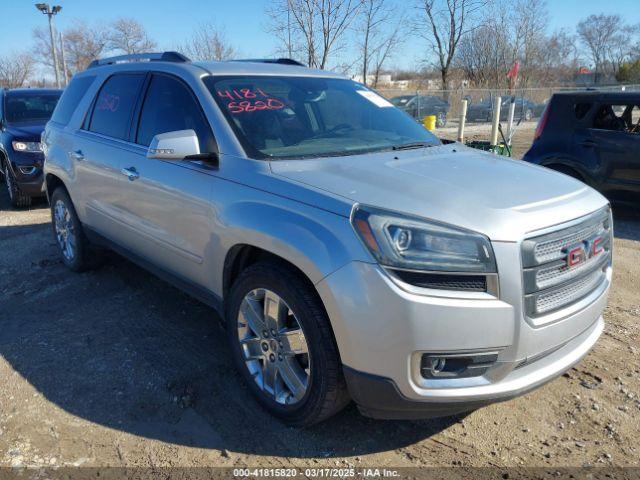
[23,114]
[525,109]
[352,254]
[420,106]
[594,137]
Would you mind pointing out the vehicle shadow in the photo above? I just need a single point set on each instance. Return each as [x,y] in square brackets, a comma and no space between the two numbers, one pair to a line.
[626,222]
[120,348]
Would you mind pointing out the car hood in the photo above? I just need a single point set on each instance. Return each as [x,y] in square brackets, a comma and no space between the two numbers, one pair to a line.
[27,132]
[501,198]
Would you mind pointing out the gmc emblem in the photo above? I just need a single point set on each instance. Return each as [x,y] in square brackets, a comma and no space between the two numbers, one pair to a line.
[580,253]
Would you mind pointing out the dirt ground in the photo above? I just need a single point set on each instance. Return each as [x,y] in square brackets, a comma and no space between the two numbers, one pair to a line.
[116,368]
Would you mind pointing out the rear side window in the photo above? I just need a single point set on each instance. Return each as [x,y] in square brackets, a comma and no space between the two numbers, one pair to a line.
[169,106]
[114,105]
[70,99]
[581,110]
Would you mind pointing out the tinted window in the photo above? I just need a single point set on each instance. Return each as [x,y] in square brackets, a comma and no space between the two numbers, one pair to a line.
[296,117]
[70,99]
[581,109]
[169,106]
[30,107]
[114,105]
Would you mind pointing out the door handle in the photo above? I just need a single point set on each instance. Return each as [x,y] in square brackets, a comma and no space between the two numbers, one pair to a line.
[77,155]
[589,143]
[131,173]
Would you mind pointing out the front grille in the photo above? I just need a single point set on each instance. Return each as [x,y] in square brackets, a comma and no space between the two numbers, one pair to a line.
[552,280]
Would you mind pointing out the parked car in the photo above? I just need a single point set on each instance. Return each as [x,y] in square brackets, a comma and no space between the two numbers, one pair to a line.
[352,254]
[419,106]
[23,113]
[483,110]
[594,137]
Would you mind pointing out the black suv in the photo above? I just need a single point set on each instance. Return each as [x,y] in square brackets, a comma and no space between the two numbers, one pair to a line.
[23,115]
[594,137]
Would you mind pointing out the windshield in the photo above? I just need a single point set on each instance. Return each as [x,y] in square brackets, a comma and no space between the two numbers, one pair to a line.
[30,107]
[298,117]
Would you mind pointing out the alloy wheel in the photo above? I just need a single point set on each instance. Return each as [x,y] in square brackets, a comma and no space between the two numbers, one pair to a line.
[274,346]
[65,230]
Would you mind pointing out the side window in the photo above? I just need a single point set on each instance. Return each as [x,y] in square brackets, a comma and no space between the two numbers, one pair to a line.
[169,106]
[114,105]
[634,115]
[617,118]
[70,99]
[581,109]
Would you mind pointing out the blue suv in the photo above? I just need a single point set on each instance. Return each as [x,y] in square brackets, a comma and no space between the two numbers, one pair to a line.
[23,115]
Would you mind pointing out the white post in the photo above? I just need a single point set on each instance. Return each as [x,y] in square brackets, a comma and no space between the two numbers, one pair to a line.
[512,111]
[496,120]
[463,119]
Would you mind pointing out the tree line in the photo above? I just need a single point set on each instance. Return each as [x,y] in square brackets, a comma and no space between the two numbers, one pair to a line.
[475,41]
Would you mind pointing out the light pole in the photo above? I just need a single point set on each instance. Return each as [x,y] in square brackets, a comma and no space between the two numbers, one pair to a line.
[50,12]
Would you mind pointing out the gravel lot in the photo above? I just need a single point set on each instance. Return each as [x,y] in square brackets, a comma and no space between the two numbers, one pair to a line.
[116,368]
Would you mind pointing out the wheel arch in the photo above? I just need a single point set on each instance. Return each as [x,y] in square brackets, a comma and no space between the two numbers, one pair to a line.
[52,182]
[567,167]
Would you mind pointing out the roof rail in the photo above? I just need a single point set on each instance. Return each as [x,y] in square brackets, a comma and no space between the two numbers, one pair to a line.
[281,61]
[137,57]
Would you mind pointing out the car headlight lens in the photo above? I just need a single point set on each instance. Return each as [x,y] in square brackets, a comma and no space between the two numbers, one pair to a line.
[26,146]
[404,242]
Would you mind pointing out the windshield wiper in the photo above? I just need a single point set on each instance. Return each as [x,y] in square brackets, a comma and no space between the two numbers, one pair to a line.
[409,146]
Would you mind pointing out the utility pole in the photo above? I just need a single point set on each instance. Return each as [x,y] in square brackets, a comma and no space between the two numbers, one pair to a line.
[64,63]
[51,12]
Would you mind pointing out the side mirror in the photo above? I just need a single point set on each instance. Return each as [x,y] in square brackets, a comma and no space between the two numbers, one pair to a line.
[180,145]
[176,145]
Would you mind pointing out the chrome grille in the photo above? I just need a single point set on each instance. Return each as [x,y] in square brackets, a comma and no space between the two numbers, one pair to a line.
[550,282]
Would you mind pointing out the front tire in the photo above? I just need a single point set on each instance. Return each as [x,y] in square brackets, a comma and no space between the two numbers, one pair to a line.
[282,344]
[67,231]
[16,197]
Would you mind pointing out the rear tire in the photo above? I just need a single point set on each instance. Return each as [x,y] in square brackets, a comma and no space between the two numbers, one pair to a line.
[16,197]
[75,249]
[319,389]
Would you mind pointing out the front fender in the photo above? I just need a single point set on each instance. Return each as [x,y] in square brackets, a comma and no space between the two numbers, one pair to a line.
[315,241]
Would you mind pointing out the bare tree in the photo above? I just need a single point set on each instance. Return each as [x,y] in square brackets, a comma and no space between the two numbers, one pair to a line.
[16,69]
[314,28]
[599,34]
[128,36]
[208,43]
[377,42]
[385,50]
[443,23]
[83,44]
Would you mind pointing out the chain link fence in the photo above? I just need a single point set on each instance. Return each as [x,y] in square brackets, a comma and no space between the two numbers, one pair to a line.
[446,106]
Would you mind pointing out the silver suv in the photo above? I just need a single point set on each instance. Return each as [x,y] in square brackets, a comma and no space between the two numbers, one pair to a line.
[352,254]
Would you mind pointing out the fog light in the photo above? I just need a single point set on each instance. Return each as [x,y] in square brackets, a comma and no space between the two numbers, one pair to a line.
[456,365]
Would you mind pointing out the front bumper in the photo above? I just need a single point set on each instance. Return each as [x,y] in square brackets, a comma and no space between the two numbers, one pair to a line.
[379,397]
[30,184]
[382,330]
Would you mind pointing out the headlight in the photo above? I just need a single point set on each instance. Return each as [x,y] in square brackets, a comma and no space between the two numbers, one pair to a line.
[404,242]
[26,146]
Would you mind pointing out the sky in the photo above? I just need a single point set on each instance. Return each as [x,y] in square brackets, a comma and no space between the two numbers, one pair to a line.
[169,22]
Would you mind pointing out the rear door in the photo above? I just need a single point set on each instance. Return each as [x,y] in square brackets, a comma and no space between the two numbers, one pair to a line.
[614,137]
[167,202]
[101,148]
